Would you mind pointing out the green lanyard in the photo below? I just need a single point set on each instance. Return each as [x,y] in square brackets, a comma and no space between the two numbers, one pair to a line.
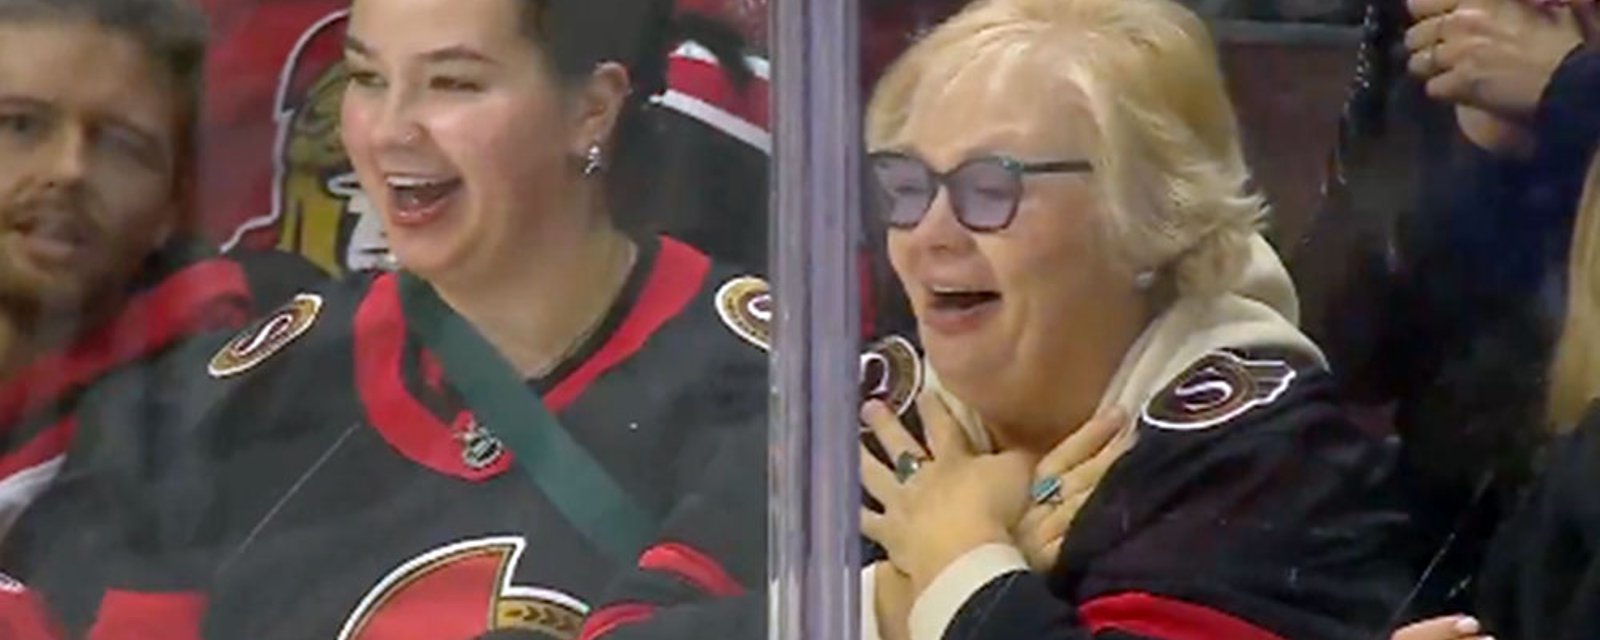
[559,467]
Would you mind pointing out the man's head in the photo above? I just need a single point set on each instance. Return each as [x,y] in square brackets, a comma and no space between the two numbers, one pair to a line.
[97,101]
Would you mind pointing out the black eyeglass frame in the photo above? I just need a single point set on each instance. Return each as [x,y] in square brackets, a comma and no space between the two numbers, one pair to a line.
[1017,168]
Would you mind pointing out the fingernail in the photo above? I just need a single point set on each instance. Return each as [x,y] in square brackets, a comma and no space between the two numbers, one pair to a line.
[1468,625]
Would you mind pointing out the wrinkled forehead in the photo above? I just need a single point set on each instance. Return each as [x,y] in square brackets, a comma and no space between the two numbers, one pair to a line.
[1002,101]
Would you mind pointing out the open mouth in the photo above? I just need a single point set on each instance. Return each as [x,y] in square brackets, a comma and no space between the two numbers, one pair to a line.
[961,300]
[416,197]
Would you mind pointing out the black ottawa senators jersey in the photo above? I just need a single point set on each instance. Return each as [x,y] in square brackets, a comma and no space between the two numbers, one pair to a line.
[183,290]
[1249,509]
[340,488]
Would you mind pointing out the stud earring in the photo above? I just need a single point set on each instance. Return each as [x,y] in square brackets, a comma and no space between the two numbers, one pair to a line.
[593,161]
[1145,280]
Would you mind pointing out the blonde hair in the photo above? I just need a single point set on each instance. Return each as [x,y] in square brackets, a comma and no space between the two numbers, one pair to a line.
[1170,167]
[1575,369]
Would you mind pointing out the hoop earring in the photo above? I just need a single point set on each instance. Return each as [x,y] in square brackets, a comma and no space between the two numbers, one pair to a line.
[593,161]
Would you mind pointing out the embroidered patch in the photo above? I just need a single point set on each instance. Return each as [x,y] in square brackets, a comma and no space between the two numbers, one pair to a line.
[891,368]
[266,337]
[1218,388]
[466,590]
[745,305]
[891,371]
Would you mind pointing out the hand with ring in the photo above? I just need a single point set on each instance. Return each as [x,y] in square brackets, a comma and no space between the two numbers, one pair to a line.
[941,502]
[1064,480]
[1492,59]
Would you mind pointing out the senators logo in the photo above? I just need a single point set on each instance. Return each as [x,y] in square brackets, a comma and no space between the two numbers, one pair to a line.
[318,208]
[891,368]
[891,371]
[745,305]
[266,337]
[1218,388]
[464,591]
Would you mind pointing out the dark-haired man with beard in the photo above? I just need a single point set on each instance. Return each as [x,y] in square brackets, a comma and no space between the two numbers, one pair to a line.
[98,272]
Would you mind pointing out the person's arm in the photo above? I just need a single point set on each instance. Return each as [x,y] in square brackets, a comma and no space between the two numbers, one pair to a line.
[1567,122]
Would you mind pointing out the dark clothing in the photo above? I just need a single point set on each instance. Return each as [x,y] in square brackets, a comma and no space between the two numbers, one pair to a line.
[182,291]
[333,483]
[1275,522]
[1542,578]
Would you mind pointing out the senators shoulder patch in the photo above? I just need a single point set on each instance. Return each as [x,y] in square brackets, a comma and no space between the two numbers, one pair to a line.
[1218,388]
[891,368]
[745,305]
[891,371]
[266,337]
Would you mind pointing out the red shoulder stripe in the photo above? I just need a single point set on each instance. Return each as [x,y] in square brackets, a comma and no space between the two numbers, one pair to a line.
[129,615]
[48,445]
[614,617]
[23,615]
[404,421]
[680,272]
[690,564]
[1154,616]
[211,294]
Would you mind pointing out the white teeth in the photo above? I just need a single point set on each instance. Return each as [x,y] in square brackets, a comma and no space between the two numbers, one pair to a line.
[412,182]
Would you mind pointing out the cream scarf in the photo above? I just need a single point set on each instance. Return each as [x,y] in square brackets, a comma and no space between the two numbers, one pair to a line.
[1262,310]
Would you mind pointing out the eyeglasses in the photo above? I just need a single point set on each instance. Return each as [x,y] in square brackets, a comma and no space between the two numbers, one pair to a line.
[983,191]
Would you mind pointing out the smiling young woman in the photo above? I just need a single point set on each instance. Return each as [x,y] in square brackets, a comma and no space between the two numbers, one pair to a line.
[538,405]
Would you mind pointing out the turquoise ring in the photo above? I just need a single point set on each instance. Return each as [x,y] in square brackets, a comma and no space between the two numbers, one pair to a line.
[1047,490]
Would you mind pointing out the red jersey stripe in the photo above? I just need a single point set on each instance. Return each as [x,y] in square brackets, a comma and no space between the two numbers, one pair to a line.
[1156,616]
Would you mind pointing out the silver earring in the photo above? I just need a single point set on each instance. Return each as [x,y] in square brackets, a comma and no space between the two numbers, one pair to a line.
[1144,280]
[593,161]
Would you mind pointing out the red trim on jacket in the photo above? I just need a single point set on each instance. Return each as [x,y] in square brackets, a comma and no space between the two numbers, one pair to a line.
[709,83]
[23,615]
[679,274]
[616,616]
[1156,616]
[131,615]
[187,302]
[50,444]
[689,563]
[416,432]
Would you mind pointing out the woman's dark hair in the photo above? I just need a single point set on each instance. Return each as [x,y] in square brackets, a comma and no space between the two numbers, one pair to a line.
[578,35]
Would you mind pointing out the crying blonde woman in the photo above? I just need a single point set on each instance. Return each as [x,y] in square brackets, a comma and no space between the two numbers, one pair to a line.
[1126,434]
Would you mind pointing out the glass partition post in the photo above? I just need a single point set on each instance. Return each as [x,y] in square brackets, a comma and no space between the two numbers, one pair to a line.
[814,539]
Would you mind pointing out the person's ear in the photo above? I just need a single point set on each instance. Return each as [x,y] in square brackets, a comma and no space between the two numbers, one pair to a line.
[597,107]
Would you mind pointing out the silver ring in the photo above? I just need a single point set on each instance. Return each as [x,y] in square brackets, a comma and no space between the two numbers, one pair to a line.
[907,464]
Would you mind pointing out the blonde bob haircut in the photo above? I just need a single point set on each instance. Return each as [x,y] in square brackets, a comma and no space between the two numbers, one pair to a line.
[1169,167]
[1575,369]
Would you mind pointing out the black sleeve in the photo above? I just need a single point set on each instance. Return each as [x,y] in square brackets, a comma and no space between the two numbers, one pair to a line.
[1278,524]
[1568,117]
